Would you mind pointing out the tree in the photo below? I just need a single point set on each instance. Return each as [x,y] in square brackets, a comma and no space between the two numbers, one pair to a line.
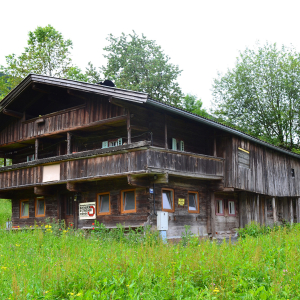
[261,95]
[139,64]
[47,53]
[191,104]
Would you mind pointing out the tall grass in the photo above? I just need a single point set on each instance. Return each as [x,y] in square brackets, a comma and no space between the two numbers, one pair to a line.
[54,263]
[5,211]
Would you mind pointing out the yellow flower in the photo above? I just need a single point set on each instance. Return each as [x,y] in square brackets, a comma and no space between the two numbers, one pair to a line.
[79,294]
[18,245]
[46,292]
[3,268]
[71,294]
[46,226]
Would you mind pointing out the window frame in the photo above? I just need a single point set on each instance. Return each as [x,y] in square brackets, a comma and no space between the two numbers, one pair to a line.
[21,201]
[198,206]
[162,202]
[122,198]
[35,207]
[98,206]
[229,214]
[223,206]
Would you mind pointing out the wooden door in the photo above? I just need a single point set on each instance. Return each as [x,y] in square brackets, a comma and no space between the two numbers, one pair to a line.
[68,209]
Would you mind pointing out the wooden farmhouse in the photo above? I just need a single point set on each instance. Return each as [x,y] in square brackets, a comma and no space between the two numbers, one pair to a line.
[78,152]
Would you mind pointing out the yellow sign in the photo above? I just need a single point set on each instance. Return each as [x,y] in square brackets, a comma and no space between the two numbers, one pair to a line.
[181,201]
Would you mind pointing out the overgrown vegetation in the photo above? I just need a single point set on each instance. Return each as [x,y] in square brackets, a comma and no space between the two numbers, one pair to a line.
[5,211]
[52,262]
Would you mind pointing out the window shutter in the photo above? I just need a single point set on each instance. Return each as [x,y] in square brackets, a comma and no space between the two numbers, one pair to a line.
[120,142]
[105,144]
[181,145]
[174,144]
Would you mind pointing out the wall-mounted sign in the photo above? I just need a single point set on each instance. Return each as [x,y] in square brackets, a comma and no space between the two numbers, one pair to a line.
[181,201]
[151,191]
[87,210]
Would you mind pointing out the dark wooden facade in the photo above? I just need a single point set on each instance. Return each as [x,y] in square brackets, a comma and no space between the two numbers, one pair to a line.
[58,128]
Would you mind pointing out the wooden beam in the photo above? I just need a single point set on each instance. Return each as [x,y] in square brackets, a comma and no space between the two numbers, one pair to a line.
[138,128]
[13,113]
[116,102]
[69,137]
[37,88]
[36,149]
[212,214]
[43,190]
[291,211]
[274,210]
[298,209]
[166,132]
[138,181]
[73,187]
[74,94]
[161,178]
[128,128]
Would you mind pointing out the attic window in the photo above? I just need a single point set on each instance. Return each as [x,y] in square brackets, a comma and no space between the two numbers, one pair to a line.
[112,143]
[243,158]
[177,145]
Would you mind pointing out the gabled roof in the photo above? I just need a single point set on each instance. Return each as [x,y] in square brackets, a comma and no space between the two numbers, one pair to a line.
[132,96]
[74,85]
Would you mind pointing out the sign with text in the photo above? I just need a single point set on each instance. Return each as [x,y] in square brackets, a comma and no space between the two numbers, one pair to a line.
[87,210]
[181,201]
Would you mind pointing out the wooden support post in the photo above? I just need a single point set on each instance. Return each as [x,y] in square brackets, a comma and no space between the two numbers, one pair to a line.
[257,209]
[128,128]
[291,211]
[69,142]
[36,150]
[266,211]
[298,209]
[166,133]
[274,210]
[213,214]
[215,146]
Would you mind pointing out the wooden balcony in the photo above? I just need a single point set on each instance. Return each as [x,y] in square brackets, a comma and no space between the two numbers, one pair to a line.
[136,158]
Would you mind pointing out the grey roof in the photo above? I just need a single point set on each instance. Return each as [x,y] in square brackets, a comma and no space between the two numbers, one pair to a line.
[132,96]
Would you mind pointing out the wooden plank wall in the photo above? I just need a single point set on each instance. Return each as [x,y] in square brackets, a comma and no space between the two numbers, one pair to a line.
[269,172]
[96,109]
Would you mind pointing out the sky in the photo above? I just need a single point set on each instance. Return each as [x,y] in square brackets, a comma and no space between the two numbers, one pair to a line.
[203,38]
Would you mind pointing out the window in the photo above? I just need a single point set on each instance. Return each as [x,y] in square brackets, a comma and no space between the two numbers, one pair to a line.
[220,207]
[24,209]
[231,207]
[177,145]
[40,207]
[293,172]
[244,158]
[69,206]
[103,204]
[112,143]
[128,203]
[168,200]
[30,157]
[193,202]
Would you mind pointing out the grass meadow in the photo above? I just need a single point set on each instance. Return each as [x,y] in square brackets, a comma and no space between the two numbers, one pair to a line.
[53,262]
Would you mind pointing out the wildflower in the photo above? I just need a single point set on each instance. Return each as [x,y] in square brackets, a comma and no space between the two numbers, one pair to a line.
[71,224]
[93,224]
[46,292]
[46,226]
[18,245]
[93,228]
[3,268]
[79,294]
[59,229]
[71,294]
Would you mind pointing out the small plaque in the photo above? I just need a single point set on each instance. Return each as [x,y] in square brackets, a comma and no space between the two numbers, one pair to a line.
[151,191]
[181,201]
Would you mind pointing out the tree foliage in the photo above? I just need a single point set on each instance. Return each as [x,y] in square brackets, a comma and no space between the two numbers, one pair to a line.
[194,105]
[47,53]
[139,64]
[261,95]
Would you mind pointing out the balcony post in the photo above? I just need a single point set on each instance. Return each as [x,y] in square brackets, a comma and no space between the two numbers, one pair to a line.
[128,128]
[213,214]
[69,143]
[166,132]
[36,150]
[274,210]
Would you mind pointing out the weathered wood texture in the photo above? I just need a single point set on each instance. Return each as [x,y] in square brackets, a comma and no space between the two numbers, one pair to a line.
[96,109]
[269,172]
[119,164]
